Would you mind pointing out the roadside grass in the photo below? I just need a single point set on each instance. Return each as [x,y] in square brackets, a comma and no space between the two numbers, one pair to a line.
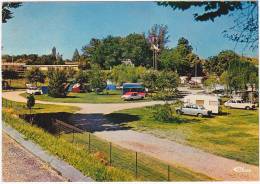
[105,97]
[95,163]
[232,135]
[87,163]
[20,108]
[149,169]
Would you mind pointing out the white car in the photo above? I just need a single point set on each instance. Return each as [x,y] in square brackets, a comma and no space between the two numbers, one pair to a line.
[239,104]
[34,91]
[132,96]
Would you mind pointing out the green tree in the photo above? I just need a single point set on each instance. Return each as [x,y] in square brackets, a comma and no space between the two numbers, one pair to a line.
[245,14]
[54,52]
[211,82]
[149,78]
[82,77]
[57,81]
[124,73]
[30,102]
[166,84]
[35,75]
[220,63]
[76,56]
[137,49]
[6,12]
[158,35]
[10,74]
[98,79]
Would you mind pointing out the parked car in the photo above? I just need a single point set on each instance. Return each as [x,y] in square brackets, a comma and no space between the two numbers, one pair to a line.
[193,109]
[239,104]
[132,96]
[34,91]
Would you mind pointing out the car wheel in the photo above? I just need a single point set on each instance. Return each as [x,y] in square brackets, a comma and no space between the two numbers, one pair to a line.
[247,108]
[200,115]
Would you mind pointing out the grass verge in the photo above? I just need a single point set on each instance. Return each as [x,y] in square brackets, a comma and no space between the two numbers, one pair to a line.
[111,97]
[232,135]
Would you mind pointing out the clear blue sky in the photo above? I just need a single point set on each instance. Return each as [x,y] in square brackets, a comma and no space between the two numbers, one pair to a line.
[37,27]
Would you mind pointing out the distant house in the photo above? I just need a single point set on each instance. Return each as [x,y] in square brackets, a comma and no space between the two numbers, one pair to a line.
[197,80]
[127,62]
[47,67]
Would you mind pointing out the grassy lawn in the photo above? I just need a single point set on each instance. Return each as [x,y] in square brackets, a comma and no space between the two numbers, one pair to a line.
[96,162]
[234,135]
[111,97]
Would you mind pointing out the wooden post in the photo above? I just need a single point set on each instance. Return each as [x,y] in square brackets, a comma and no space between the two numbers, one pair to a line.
[73,136]
[168,173]
[135,164]
[89,142]
[110,153]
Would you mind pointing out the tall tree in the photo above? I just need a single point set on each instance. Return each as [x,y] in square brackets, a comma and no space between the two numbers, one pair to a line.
[245,14]
[54,52]
[6,12]
[137,49]
[76,56]
[158,35]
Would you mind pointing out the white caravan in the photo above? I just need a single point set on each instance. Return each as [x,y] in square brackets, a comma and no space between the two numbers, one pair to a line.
[210,102]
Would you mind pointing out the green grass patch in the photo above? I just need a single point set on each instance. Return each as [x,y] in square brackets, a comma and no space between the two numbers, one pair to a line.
[110,97]
[232,135]
[96,162]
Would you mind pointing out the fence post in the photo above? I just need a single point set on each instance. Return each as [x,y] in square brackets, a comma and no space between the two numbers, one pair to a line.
[73,136]
[110,153]
[58,128]
[168,173]
[135,164]
[89,142]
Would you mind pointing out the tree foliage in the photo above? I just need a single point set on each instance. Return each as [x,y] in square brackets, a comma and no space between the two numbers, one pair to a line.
[35,75]
[6,12]
[98,79]
[76,56]
[124,73]
[245,27]
[164,82]
[57,81]
[30,101]
[158,35]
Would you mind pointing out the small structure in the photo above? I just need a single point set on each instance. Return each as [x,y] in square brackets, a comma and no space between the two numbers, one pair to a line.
[133,87]
[210,102]
[127,62]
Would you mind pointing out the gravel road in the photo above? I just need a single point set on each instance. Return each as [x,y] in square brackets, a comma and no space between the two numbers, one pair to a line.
[21,166]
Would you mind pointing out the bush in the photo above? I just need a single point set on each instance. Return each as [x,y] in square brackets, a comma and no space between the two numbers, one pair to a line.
[162,112]
[57,81]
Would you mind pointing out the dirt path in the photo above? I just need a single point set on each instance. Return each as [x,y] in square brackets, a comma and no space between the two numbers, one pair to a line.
[85,108]
[90,118]
[173,153]
[21,166]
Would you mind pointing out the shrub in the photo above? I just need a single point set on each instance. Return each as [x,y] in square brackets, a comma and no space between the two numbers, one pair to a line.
[162,112]
[57,81]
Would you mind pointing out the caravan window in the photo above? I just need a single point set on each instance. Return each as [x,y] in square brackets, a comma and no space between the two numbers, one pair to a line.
[213,103]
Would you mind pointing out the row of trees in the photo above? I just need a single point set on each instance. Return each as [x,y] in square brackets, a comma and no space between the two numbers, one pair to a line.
[55,58]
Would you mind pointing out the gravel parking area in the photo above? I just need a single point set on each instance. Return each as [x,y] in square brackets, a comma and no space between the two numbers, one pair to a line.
[19,165]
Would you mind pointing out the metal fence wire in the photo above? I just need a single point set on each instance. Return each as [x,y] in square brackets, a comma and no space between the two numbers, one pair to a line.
[143,167]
